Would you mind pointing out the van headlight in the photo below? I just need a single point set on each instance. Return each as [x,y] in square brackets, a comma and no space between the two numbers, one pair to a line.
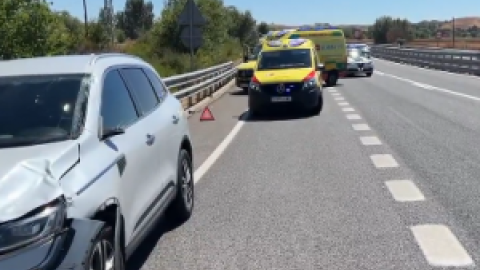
[254,86]
[35,226]
[310,84]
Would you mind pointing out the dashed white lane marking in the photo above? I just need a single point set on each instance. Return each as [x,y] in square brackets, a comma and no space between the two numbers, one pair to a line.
[440,246]
[360,127]
[343,104]
[370,140]
[332,90]
[339,98]
[353,117]
[335,94]
[384,161]
[348,109]
[215,155]
[404,191]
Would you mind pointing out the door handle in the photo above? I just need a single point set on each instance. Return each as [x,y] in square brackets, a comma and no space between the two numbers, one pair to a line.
[150,139]
[175,119]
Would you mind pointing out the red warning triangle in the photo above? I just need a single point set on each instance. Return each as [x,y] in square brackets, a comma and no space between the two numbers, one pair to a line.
[207,115]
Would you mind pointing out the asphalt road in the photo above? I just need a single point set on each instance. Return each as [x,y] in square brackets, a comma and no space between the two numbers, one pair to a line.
[387,177]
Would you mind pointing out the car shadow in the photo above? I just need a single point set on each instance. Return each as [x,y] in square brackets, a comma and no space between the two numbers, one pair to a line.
[239,92]
[274,116]
[142,253]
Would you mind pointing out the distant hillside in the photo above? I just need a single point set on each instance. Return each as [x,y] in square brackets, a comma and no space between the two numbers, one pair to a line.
[461,23]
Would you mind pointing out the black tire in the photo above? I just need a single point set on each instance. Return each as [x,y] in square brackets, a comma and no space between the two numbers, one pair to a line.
[318,109]
[332,79]
[369,74]
[245,90]
[105,238]
[182,206]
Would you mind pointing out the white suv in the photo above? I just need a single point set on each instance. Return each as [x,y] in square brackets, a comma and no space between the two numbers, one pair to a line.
[93,149]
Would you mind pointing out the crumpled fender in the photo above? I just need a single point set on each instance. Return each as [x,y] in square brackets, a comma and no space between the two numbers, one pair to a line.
[68,250]
[33,183]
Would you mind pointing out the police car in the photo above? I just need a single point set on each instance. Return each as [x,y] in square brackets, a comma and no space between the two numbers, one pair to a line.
[359,60]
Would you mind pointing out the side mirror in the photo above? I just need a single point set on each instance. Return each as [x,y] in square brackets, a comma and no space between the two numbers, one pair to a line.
[320,67]
[111,132]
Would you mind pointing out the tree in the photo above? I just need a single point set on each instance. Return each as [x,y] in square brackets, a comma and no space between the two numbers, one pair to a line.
[136,18]
[263,28]
[388,30]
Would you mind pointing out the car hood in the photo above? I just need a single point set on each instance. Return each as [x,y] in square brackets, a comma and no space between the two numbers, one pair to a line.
[29,176]
[249,65]
[282,75]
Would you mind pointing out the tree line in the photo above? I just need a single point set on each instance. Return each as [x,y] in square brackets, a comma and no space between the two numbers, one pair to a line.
[387,29]
[33,28]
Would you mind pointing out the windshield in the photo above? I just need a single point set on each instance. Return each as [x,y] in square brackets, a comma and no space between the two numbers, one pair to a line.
[255,52]
[297,58]
[41,109]
[356,53]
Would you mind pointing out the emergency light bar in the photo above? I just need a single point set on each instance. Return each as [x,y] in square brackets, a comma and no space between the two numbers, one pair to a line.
[297,42]
[317,28]
[275,43]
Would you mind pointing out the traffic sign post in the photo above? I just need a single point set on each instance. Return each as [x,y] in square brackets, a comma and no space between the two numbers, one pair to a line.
[191,21]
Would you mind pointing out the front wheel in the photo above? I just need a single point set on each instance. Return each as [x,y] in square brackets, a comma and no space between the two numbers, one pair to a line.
[369,74]
[318,109]
[245,90]
[182,206]
[102,253]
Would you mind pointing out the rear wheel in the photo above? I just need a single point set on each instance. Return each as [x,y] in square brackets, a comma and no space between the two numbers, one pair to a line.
[369,74]
[332,78]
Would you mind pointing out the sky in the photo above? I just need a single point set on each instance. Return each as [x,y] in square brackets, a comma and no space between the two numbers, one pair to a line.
[298,12]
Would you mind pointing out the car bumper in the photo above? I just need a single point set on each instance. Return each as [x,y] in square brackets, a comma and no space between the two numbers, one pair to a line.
[359,70]
[243,82]
[260,101]
[67,250]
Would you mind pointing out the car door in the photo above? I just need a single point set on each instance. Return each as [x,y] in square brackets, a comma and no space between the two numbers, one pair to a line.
[156,176]
[118,110]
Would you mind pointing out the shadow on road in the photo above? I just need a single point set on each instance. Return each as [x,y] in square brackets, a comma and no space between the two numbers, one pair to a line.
[274,116]
[239,93]
[141,254]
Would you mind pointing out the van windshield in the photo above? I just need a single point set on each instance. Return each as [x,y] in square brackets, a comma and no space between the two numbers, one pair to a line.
[297,58]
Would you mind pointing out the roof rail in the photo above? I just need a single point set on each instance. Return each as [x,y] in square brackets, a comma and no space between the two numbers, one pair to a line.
[97,57]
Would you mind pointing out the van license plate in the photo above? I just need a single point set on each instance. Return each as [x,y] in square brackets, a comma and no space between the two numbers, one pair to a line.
[281,99]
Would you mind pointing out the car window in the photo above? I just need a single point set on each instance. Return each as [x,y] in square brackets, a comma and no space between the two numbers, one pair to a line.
[141,88]
[40,108]
[157,84]
[118,109]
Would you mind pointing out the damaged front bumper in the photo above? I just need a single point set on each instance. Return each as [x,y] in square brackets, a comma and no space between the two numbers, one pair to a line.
[67,250]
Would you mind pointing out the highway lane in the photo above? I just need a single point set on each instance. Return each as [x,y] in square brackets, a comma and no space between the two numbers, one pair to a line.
[294,194]
[385,178]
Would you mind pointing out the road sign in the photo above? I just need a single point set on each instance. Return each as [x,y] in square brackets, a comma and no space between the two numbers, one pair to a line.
[207,115]
[191,15]
[191,39]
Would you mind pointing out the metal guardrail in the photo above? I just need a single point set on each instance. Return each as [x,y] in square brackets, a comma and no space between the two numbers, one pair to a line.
[191,88]
[451,60]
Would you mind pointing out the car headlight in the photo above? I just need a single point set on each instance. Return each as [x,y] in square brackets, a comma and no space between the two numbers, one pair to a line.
[39,224]
[310,84]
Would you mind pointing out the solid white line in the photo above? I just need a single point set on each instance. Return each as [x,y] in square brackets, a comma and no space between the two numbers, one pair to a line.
[353,117]
[427,69]
[360,127]
[215,155]
[339,98]
[404,191]
[370,140]
[384,161]
[440,246]
[348,109]
[343,104]
[433,88]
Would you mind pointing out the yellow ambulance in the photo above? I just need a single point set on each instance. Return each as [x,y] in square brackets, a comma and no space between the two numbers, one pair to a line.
[331,48]
[287,76]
